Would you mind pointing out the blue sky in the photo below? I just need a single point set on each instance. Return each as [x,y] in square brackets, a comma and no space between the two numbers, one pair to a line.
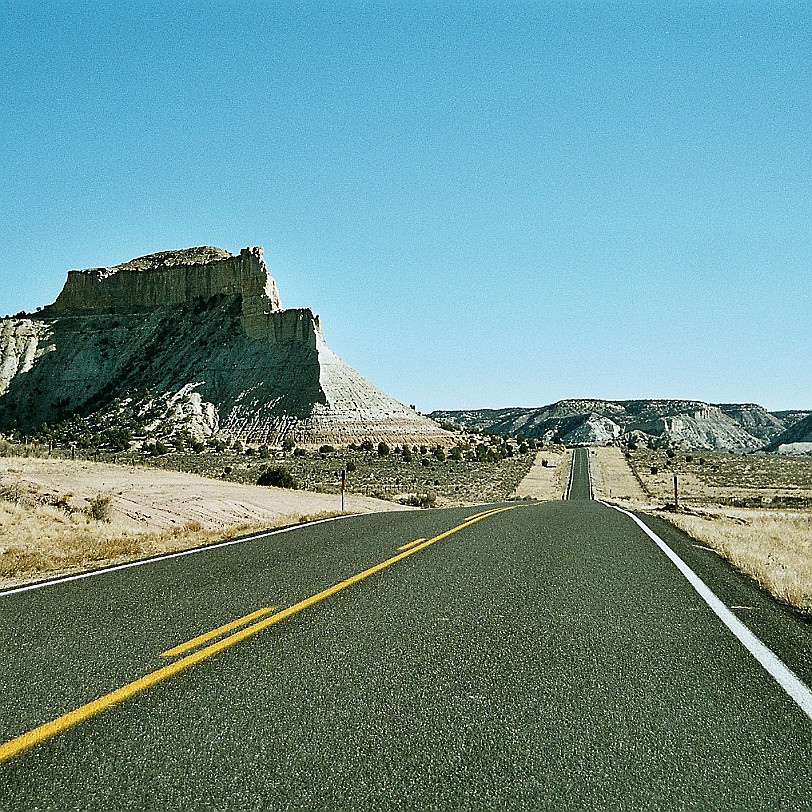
[489,204]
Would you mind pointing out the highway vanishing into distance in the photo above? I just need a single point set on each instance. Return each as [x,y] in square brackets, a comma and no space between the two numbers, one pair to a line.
[516,656]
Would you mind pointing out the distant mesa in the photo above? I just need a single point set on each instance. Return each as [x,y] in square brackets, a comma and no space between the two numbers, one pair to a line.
[684,424]
[193,340]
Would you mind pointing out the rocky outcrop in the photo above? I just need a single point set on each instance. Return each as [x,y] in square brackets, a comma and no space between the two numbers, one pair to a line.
[193,340]
[172,278]
[797,439]
[676,423]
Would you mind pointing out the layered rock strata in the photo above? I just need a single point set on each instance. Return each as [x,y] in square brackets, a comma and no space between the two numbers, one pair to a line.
[676,423]
[193,340]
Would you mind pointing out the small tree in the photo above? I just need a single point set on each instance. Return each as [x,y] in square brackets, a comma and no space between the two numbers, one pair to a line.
[277,477]
[383,449]
[287,445]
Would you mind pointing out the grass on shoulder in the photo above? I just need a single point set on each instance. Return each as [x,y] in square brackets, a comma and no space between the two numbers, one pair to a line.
[774,548]
[43,540]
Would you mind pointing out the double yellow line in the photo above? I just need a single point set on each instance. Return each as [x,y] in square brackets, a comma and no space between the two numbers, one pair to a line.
[234,634]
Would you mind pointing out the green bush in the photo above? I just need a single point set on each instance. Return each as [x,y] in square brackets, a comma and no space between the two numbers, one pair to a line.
[351,466]
[326,449]
[287,444]
[277,477]
[383,449]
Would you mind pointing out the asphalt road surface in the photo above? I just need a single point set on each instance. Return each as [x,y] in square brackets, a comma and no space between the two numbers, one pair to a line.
[543,656]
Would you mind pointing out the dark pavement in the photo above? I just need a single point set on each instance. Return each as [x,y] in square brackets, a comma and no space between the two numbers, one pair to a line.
[548,656]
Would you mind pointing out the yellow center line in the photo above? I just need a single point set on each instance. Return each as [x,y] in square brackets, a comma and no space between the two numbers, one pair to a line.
[49,729]
[410,544]
[218,632]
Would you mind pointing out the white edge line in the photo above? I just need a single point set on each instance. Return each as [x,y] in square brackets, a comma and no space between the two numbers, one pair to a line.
[144,561]
[572,474]
[768,660]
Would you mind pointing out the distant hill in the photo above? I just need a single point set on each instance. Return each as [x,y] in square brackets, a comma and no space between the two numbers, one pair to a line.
[689,424]
[797,439]
[191,341]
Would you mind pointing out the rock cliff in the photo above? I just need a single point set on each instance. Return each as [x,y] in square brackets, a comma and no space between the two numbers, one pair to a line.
[191,341]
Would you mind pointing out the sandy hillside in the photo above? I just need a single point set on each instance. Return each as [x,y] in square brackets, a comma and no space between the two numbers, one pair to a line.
[49,526]
[151,499]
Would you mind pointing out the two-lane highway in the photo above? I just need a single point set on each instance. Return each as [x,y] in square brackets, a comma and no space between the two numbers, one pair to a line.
[580,480]
[539,656]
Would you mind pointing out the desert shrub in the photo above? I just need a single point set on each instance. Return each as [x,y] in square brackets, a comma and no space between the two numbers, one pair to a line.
[439,454]
[366,445]
[197,446]
[326,449]
[277,477]
[98,507]
[265,452]
[383,449]
[351,466]
[287,445]
[423,500]
[407,455]
[299,452]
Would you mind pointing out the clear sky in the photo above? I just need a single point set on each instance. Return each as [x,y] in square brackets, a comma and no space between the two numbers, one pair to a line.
[489,203]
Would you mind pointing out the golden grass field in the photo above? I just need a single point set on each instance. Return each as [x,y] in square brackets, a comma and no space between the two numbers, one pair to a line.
[773,545]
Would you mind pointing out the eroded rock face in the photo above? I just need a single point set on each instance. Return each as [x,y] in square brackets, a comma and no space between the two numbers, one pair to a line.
[174,277]
[193,340]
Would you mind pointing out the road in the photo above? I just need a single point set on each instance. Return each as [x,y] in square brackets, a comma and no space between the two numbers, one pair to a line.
[525,656]
[580,482]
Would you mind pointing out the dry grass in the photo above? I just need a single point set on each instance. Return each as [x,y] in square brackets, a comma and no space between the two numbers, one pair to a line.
[38,540]
[713,477]
[774,547]
[611,476]
[547,478]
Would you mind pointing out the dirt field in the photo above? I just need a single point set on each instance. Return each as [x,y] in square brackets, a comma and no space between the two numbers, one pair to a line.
[46,526]
[547,478]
